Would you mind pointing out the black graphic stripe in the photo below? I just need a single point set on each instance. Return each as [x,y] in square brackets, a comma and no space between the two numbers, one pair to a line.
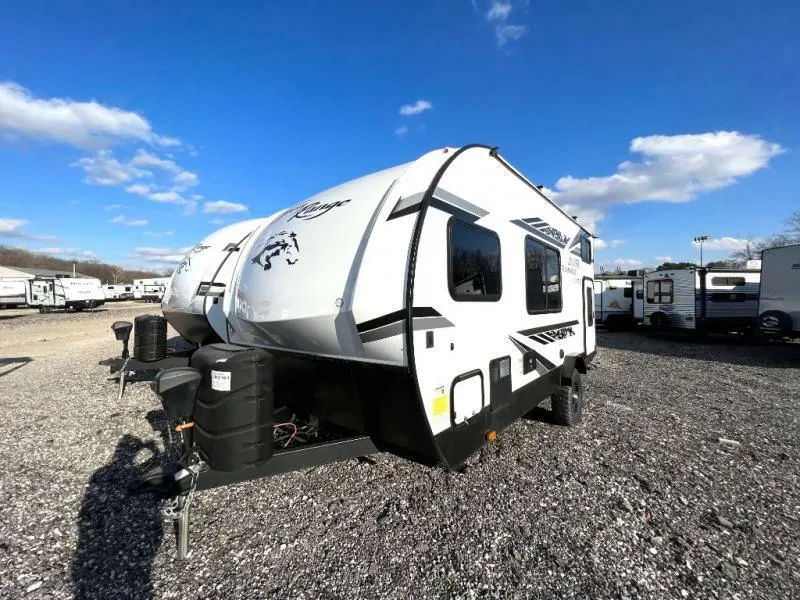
[408,210]
[538,234]
[538,338]
[530,332]
[394,317]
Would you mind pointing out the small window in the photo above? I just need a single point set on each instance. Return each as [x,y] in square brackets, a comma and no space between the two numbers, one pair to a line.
[659,291]
[734,281]
[627,292]
[542,277]
[586,248]
[640,294]
[474,262]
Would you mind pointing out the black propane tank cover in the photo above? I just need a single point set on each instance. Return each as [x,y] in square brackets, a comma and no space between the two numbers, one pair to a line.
[149,338]
[233,415]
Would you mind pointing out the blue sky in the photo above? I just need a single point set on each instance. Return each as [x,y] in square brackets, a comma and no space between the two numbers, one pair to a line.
[178,113]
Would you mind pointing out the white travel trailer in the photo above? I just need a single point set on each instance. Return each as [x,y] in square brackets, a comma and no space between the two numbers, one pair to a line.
[613,300]
[150,289]
[779,296]
[118,291]
[12,292]
[75,293]
[702,300]
[422,309]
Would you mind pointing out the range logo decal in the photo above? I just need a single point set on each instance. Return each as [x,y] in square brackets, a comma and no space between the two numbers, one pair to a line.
[187,261]
[279,245]
[312,210]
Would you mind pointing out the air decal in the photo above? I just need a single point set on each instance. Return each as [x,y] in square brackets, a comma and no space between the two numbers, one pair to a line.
[543,231]
[283,245]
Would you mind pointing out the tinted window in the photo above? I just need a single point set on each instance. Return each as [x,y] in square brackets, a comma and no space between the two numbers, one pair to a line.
[639,294]
[627,292]
[589,308]
[474,262]
[659,292]
[586,247]
[727,281]
[542,277]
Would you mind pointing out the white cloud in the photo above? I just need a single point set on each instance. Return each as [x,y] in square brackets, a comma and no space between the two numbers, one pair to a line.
[617,243]
[674,168]
[12,228]
[217,221]
[600,244]
[123,220]
[160,255]
[498,10]
[146,159]
[723,244]
[70,252]
[509,33]
[621,264]
[185,180]
[112,207]
[663,259]
[401,131]
[87,125]
[159,233]
[418,107]
[223,207]
[139,189]
[170,196]
[104,169]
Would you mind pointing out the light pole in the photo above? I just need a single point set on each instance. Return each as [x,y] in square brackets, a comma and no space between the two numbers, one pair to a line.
[699,240]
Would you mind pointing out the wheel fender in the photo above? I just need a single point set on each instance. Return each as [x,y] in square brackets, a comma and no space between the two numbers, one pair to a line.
[659,315]
[572,363]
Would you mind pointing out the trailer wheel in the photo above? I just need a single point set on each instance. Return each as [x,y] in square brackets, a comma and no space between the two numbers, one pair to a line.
[658,321]
[567,402]
[775,322]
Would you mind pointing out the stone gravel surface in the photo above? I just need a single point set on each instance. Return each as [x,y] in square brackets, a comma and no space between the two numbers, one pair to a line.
[683,481]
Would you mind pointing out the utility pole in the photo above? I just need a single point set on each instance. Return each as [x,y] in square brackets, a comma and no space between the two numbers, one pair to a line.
[699,240]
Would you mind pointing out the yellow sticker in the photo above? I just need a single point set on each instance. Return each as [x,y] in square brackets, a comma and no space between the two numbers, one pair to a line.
[440,405]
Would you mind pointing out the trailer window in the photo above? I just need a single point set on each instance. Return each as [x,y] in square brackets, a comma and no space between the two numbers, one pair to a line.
[474,254]
[640,294]
[542,277]
[627,292]
[586,248]
[727,281]
[659,292]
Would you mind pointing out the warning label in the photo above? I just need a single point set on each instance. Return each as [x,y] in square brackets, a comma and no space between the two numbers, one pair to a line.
[221,381]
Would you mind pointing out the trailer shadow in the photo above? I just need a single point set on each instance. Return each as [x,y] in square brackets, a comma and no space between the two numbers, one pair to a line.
[717,348]
[119,535]
[13,364]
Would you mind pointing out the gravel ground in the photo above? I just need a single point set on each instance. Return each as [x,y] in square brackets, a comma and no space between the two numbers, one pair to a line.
[682,482]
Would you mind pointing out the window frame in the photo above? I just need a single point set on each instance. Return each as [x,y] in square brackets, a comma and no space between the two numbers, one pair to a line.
[560,278]
[660,293]
[472,297]
[727,280]
[585,237]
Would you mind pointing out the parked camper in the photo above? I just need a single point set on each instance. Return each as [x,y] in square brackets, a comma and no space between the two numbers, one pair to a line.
[702,300]
[119,291]
[151,289]
[779,296]
[12,292]
[75,293]
[418,310]
[613,300]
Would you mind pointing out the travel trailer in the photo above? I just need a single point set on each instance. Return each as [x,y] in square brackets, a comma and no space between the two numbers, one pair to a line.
[12,292]
[779,295]
[76,293]
[702,300]
[613,300]
[151,289]
[119,291]
[419,310]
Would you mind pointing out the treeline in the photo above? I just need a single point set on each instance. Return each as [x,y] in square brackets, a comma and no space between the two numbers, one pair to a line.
[19,258]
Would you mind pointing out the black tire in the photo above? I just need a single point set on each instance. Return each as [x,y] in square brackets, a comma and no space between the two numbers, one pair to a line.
[567,402]
[659,322]
[774,322]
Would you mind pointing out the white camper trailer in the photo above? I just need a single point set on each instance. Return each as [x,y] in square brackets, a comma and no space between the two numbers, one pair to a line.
[151,289]
[422,309]
[779,296]
[12,292]
[118,291]
[702,300]
[613,300]
[76,293]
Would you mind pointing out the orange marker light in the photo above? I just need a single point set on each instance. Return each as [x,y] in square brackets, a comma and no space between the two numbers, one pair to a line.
[491,436]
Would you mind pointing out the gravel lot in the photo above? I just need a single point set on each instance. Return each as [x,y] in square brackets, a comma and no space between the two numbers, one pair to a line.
[642,500]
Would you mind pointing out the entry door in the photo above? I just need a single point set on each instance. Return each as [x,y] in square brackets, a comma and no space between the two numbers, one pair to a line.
[589,331]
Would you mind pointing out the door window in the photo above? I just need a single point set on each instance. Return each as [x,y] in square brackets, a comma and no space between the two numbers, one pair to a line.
[589,307]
